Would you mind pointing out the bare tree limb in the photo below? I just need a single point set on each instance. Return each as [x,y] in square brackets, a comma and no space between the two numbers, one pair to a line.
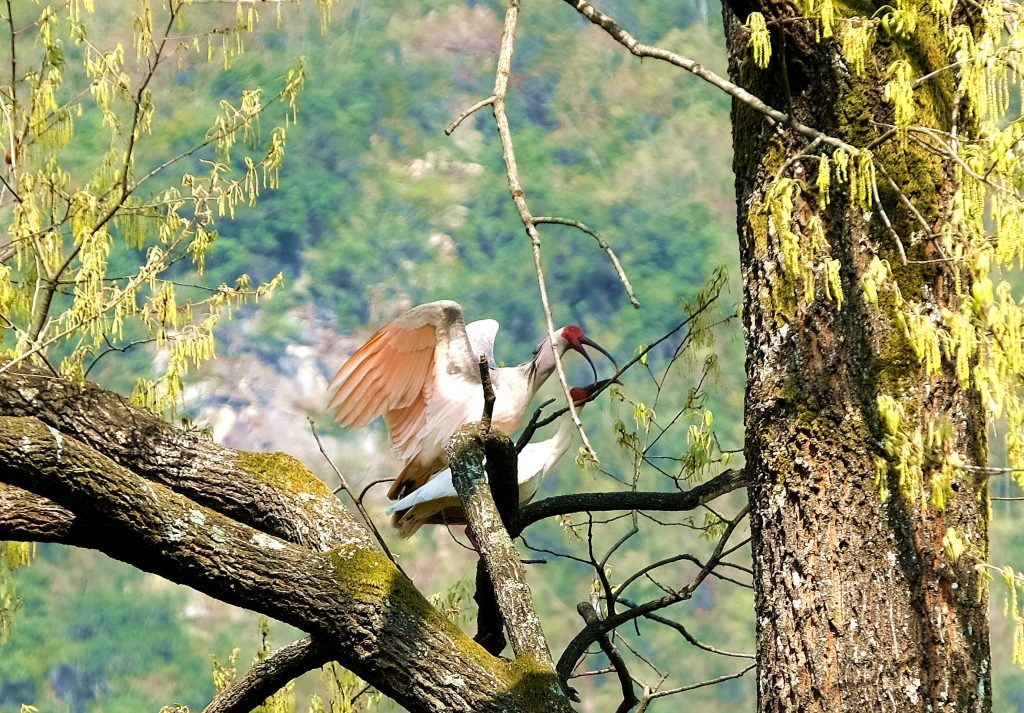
[624,38]
[594,630]
[602,243]
[629,699]
[270,675]
[725,482]
[497,103]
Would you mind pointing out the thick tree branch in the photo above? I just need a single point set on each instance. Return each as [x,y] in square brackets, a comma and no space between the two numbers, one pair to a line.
[27,517]
[507,574]
[502,477]
[374,620]
[272,492]
[270,675]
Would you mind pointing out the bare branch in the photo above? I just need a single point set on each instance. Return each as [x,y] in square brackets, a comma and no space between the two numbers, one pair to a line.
[497,103]
[485,381]
[448,130]
[629,699]
[725,482]
[602,243]
[592,631]
[268,676]
[623,37]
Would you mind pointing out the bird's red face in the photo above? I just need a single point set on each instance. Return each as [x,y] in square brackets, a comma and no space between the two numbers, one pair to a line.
[576,339]
[582,394]
[579,396]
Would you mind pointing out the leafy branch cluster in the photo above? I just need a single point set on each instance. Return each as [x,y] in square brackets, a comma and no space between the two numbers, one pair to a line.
[94,256]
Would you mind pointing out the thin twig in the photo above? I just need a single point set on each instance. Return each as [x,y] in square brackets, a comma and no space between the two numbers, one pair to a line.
[602,243]
[468,112]
[497,104]
[485,381]
[356,500]
[692,686]
[888,223]
[906,202]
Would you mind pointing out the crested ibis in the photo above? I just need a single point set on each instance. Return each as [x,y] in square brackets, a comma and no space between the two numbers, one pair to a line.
[421,373]
[437,503]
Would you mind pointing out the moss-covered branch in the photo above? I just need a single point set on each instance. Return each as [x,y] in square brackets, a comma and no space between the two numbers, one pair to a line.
[506,571]
[272,492]
[352,598]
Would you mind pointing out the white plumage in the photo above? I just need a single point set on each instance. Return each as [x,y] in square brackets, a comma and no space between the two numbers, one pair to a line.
[421,373]
[438,503]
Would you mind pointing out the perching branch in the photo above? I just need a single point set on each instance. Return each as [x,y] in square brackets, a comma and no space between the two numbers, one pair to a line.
[508,577]
[352,598]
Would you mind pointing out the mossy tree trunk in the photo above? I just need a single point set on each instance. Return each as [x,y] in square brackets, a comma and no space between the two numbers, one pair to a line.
[857,606]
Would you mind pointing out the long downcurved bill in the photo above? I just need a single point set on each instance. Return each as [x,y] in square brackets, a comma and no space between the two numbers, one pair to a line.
[591,343]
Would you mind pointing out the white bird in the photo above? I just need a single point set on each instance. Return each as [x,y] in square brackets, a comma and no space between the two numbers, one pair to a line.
[421,373]
[437,502]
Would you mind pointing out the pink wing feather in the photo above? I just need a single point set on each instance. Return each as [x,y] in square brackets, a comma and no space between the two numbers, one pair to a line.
[412,372]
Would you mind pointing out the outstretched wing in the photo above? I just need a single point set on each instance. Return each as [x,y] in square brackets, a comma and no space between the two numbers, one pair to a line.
[481,335]
[403,373]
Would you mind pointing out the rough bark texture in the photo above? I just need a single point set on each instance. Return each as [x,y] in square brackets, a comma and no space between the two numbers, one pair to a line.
[270,491]
[332,583]
[269,675]
[506,572]
[857,607]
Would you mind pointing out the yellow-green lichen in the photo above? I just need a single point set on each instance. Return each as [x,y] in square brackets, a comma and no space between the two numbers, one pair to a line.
[283,472]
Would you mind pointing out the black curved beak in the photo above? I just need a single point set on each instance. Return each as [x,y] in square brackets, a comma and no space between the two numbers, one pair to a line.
[591,343]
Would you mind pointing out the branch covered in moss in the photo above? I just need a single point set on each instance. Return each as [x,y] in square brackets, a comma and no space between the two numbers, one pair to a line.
[507,574]
[352,598]
[272,492]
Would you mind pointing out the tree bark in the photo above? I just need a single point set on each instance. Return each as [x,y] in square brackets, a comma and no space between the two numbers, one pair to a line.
[857,607]
[332,583]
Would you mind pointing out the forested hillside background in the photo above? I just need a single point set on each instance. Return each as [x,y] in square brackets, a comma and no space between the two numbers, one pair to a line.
[377,211]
